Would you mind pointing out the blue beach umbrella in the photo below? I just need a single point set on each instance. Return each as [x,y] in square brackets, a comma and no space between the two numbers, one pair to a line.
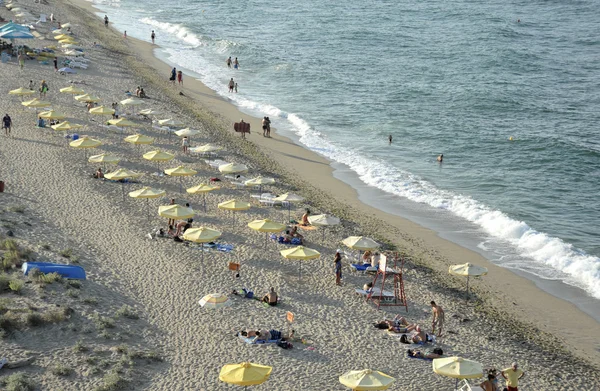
[13,26]
[16,34]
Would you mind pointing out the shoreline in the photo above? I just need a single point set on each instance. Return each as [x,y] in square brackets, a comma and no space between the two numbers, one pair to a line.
[536,307]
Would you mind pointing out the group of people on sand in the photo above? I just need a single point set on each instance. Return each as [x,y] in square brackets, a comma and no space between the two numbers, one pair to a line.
[176,76]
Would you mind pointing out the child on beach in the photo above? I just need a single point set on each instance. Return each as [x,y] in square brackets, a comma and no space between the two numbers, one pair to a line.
[235,87]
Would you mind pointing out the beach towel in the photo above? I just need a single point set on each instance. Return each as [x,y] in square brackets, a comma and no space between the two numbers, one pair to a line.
[225,247]
[360,268]
[241,127]
[250,340]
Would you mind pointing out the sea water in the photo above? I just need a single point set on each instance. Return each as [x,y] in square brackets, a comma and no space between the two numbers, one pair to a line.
[507,90]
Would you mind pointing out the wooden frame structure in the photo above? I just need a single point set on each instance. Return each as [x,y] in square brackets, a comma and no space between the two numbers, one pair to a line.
[384,272]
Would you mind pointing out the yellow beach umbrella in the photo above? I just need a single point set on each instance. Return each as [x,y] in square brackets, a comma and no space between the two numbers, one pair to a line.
[366,380]
[323,220]
[147,193]
[215,300]
[360,243]
[201,235]
[101,110]
[233,206]
[187,132]
[457,368]
[36,103]
[300,253]
[72,90]
[120,175]
[123,123]
[104,158]
[180,171]
[202,189]
[467,270]
[206,148]
[68,41]
[21,92]
[158,156]
[170,122]
[233,168]
[266,226]
[88,98]
[66,125]
[245,374]
[139,139]
[52,114]
[85,142]
[259,181]
[61,36]
[175,212]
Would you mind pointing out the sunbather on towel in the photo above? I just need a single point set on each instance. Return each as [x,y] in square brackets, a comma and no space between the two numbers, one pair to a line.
[294,233]
[271,298]
[431,354]
[305,218]
[262,335]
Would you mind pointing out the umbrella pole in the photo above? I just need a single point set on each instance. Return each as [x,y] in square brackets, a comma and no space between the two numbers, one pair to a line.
[266,238]
[202,249]
[289,212]
[467,288]
[204,199]
[323,234]
[148,208]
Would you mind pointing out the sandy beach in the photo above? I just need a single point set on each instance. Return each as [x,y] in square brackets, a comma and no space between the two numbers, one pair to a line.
[163,339]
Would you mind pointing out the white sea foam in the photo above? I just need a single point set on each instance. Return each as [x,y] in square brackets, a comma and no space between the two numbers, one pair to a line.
[177,30]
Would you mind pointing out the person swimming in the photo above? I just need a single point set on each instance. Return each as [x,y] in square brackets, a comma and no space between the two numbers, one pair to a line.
[440,158]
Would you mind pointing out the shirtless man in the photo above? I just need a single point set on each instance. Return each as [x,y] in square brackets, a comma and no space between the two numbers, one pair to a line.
[229,62]
[304,221]
[440,158]
[270,298]
[438,319]
[231,85]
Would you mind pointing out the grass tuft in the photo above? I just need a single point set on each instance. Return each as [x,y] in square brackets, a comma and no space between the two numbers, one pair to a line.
[16,286]
[127,312]
[18,382]
[66,253]
[61,370]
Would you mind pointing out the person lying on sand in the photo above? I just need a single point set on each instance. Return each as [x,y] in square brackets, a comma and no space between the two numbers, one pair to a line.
[431,354]
[417,336]
[182,226]
[271,298]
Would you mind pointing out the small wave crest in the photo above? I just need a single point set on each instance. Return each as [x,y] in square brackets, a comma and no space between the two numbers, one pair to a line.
[177,30]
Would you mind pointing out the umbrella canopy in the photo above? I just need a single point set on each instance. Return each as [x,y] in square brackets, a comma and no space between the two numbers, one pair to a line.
[323,220]
[21,91]
[51,115]
[366,380]
[360,243]
[233,168]
[289,197]
[300,252]
[259,181]
[36,103]
[85,142]
[121,173]
[175,212]
[158,156]
[65,25]
[467,270]
[202,188]
[245,374]
[89,98]
[180,171]
[234,205]
[66,125]
[62,36]
[13,26]
[132,102]
[16,34]
[122,122]
[68,40]
[206,148]
[71,90]
[104,158]
[170,122]
[67,70]
[457,368]
[101,110]
[148,112]
[139,139]
[187,132]
[201,235]
[215,300]
[147,192]
[266,225]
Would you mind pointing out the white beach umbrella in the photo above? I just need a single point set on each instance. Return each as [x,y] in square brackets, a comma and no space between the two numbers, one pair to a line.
[323,221]
[215,300]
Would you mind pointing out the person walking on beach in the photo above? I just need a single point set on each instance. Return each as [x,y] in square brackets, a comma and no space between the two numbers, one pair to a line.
[43,89]
[437,324]
[125,34]
[268,127]
[337,261]
[236,63]
[105,20]
[173,75]
[264,126]
[7,124]
[229,62]
[31,85]
[55,64]
[153,36]
[21,59]
[180,77]
[231,85]
[185,143]
[512,376]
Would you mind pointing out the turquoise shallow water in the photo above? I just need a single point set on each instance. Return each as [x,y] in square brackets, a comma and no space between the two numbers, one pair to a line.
[453,77]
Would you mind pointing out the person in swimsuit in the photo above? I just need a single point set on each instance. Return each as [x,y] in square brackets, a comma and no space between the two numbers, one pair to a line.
[304,221]
[236,63]
[185,143]
[231,85]
[438,319]
[271,298]
[390,138]
[488,385]
[228,62]
[7,124]
[153,36]
[179,77]
[431,354]
[338,268]
[440,158]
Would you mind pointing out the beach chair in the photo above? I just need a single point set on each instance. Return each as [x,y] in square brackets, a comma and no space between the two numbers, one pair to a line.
[386,296]
[42,19]
[464,385]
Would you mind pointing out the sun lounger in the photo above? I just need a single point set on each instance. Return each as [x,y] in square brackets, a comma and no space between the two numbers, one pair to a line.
[360,268]
[464,385]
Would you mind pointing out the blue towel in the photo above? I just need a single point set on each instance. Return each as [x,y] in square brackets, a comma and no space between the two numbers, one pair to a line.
[225,247]
[361,268]
[250,340]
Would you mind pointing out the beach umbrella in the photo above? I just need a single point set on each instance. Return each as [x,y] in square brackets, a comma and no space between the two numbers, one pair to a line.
[62,36]
[289,198]
[133,102]
[233,168]
[123,123]
[170,122]
[85,143]
[51,114]
[180,171]
[21,92]
[206,148]
[457,368]
[259,181]
[66,70]
[360,243]
[73,53]
[300,253]
[323,221]
[10,26]
[187,132]
[266,226]
[87,98]
[147,193]
[66,25]
[215,300]
[245,374]
[139,139]
[120,175]
[68,40]
[233,206]
[175,212]
[467,270]
[71,90]
[366,380]
[102,110]
[103,158]
[158,156]
[201,235]
[148,112]
[70,46]
[202,189]
[66,125]
[36,103]
[16,34]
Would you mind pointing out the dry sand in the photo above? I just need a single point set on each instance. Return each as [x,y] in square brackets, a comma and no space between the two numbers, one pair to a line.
[510,319]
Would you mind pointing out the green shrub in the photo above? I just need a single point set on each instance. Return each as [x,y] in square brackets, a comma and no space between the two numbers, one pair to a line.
[72,293]
[16,209]
[55,316]
[9,244]
[150,356]
[51,278]
[90,300]
[67,253]
[34,319]
[18,382]
[127,312]
[9,321]
[4,281]
[46,246]
[113,381]
[79,347]
[74,284]
[16,285]
[11,258]
[103,322]
[61,370]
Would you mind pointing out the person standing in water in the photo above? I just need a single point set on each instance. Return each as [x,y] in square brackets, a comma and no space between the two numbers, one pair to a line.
[105,20]
[125,34]
[231,85]
[153,36]
[440,158]
[236,63]
[235,87]
[228,62]
[390,138]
